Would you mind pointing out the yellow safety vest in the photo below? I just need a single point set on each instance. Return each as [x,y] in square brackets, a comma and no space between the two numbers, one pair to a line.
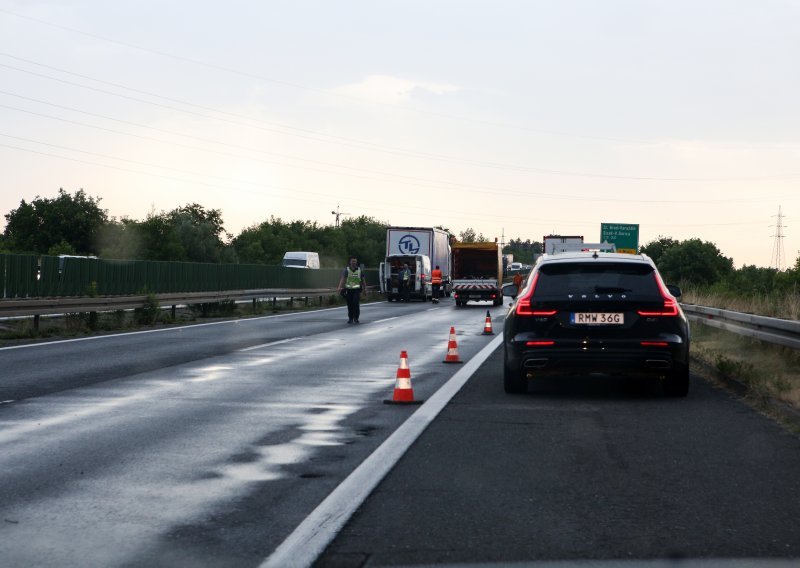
[353,278]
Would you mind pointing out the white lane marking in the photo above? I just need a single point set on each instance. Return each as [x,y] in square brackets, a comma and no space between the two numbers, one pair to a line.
[271,343]
[178,329]
[385,319]
[309,539]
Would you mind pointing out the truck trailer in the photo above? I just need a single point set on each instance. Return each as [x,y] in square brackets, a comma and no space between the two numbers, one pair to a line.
[427,241]
[477,272]
[554,244]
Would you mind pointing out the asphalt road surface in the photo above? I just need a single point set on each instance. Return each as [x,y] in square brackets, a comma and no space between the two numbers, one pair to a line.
[204,445]
[210,445]
[584,469]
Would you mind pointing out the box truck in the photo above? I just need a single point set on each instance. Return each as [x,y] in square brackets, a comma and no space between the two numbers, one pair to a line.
[477,272]
[427,241]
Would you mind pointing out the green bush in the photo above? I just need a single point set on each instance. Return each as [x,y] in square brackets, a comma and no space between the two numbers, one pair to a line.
[148,313]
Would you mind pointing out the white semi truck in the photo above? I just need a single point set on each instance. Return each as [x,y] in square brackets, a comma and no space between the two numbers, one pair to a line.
[406,244]
[554,244]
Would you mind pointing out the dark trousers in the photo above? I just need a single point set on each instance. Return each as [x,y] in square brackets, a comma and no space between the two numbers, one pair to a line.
[436,291]
[353,296]
[405,292]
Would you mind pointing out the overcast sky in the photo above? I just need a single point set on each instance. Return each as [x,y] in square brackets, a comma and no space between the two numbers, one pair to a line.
[517,119]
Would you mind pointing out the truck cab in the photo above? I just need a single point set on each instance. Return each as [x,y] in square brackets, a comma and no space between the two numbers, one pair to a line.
[420,282]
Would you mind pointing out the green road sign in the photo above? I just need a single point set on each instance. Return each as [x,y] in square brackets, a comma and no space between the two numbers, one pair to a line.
[624,235]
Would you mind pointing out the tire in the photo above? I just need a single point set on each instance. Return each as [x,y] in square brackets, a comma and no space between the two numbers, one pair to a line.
[514,382]
[677,382]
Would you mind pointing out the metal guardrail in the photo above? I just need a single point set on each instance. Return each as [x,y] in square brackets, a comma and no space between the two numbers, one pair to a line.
[51,306]
[773,330]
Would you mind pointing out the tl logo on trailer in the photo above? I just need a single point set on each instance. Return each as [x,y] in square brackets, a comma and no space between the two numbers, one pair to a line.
[408,244]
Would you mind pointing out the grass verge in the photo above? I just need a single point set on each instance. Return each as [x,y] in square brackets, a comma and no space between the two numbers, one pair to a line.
[767,376]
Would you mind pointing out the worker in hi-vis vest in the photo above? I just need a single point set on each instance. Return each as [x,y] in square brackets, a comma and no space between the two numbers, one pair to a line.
[351,284]
[436,283]
[404,277]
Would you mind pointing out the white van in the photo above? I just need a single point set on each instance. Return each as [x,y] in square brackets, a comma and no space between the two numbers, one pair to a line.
[301,260]
[420,285]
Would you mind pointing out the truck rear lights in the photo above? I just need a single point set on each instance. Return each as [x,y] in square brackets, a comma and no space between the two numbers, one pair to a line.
[539,343]
[670,303]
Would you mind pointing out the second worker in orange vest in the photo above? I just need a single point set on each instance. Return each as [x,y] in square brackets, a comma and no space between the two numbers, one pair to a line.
[436,283]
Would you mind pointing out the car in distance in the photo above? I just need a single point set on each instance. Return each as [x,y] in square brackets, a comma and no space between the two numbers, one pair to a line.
[595,312]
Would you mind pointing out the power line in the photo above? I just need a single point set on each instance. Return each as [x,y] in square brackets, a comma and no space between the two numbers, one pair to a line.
[312,89]
[405,180]
[356,143]
[430,212]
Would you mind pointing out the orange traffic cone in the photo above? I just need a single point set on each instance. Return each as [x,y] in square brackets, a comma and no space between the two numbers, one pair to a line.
[403,393]
[487,327]
[452,349]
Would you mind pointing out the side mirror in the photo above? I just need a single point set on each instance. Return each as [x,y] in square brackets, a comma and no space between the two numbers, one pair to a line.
[674,290]
[510,290]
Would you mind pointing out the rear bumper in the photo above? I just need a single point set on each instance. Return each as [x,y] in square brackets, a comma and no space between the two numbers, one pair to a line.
[626,357]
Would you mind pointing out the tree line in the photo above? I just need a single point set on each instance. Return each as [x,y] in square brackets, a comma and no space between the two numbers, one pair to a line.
[76,224]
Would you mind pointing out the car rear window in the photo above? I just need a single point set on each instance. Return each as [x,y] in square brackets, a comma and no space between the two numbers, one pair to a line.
[596,278]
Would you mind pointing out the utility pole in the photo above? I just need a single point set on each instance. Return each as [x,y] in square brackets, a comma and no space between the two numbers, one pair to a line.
[777,248]
[338,214]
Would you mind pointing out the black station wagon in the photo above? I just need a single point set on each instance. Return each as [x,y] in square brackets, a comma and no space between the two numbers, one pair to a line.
[582,313]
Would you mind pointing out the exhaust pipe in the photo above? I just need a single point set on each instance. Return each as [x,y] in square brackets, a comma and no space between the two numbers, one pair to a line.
[535,363]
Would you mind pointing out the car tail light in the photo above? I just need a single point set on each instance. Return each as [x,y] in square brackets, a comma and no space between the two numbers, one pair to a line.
[524,303]
[670,303]
[539,343]
[654,344]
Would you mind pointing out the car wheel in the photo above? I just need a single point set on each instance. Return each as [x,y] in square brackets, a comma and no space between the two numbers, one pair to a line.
[677,382]
[514,381]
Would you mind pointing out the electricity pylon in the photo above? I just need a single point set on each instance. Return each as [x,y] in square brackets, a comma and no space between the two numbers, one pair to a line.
[777,248]
[338,214]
